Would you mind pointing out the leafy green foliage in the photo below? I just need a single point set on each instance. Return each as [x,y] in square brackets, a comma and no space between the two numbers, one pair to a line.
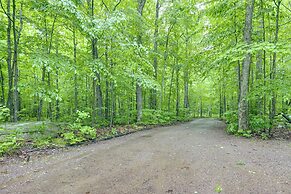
[4,114]
[71,138]
[157,117]
[113,131]
[231,121]
[258,122]
[77,134]
[9,142]
[83,117]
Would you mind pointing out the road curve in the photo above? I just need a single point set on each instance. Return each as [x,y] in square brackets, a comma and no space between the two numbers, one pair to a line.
[194,157]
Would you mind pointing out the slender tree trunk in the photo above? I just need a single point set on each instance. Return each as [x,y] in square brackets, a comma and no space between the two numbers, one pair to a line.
[171,86]
[274,62]
[156,34]
[75,72]
[141,4]
[39,110]
[113,97]
[164,67]
[2,86]
[201,107]
[57,116]
[87,89]
[50,109]
[9,61]
[57,100]
[99,96]
[113,104]
[94,103]
[107,89]
[177,93]
[259,77]
[186,88]
[97,92]
[223,91]
[16,36]
[260,56]
[186,77]
[238,62]
[243,103]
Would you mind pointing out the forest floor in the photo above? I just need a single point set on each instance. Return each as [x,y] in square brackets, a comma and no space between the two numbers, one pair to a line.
[194,157]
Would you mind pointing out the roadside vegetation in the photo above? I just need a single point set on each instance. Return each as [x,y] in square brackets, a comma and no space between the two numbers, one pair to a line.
[48,135]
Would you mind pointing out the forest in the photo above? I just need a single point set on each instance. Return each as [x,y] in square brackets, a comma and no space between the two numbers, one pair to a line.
[106,63]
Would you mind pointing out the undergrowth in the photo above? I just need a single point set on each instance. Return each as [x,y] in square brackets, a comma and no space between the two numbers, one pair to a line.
[79,132]
[260,125]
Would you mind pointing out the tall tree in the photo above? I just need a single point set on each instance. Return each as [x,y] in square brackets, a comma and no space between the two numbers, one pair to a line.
[243,102]
[140,7]
[274,62]
[155,63]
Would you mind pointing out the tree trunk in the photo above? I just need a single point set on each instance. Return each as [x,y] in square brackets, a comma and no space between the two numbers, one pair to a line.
[201,107]
[97,93]
[9,62]
[75,73]
[2,86]
[141,4]
[164,68]
[274,62]
[113,104]
[186,78]
[50,108]
[99,96]
[94,103]
[170,92]
[177,93]
[107,84]
[156,33]
[16,36]
[260,56]
[243,103]
[57,100]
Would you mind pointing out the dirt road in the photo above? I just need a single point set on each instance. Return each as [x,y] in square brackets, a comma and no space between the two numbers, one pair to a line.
[195,157]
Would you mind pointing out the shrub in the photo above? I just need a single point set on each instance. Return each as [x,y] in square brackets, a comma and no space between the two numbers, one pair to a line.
[9,143]
[88,132]
[71,138]
[259,123]
[4,114]
[231,121]
[83,117]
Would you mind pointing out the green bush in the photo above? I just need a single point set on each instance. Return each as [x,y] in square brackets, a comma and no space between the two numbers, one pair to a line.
[9,143]
[76,134]
[259,123]
[88,132]
[4,114]
[71,138]
[231,121]
[83,117]
[244,133]
[154,117]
